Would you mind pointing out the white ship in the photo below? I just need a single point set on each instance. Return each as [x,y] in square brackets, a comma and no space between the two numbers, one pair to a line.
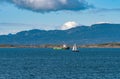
[65,47]
[74,49]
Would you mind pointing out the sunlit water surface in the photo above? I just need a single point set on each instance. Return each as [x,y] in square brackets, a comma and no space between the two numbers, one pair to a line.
[29,63]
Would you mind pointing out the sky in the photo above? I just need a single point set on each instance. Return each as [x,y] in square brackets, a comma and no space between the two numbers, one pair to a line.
[19,15]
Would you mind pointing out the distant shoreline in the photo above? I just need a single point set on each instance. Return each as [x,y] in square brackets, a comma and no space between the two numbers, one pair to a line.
[105,45]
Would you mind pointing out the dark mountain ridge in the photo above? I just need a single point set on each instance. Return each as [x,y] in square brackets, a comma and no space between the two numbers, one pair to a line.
[95,34]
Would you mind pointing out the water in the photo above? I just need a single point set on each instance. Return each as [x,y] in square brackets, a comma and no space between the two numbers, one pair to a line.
[30,63]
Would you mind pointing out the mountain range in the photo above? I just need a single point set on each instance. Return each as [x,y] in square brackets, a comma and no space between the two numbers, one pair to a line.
[94,34]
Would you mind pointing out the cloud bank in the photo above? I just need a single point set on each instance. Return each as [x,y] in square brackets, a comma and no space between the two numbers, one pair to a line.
[103,22]
[50,5]
[68,25]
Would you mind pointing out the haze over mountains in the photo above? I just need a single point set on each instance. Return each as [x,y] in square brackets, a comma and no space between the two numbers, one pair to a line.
[95,34]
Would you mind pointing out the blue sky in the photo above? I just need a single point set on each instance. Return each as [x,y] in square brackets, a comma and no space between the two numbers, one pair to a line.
[15,18]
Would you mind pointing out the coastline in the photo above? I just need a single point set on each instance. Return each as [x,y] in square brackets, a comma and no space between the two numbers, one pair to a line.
[105,45]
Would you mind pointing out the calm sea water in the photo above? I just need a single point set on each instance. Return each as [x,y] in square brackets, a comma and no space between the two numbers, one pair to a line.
[30,63]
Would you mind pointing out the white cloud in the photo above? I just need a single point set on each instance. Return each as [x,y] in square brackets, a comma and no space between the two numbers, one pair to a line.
[68,25]
[102,22]
[50,5]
